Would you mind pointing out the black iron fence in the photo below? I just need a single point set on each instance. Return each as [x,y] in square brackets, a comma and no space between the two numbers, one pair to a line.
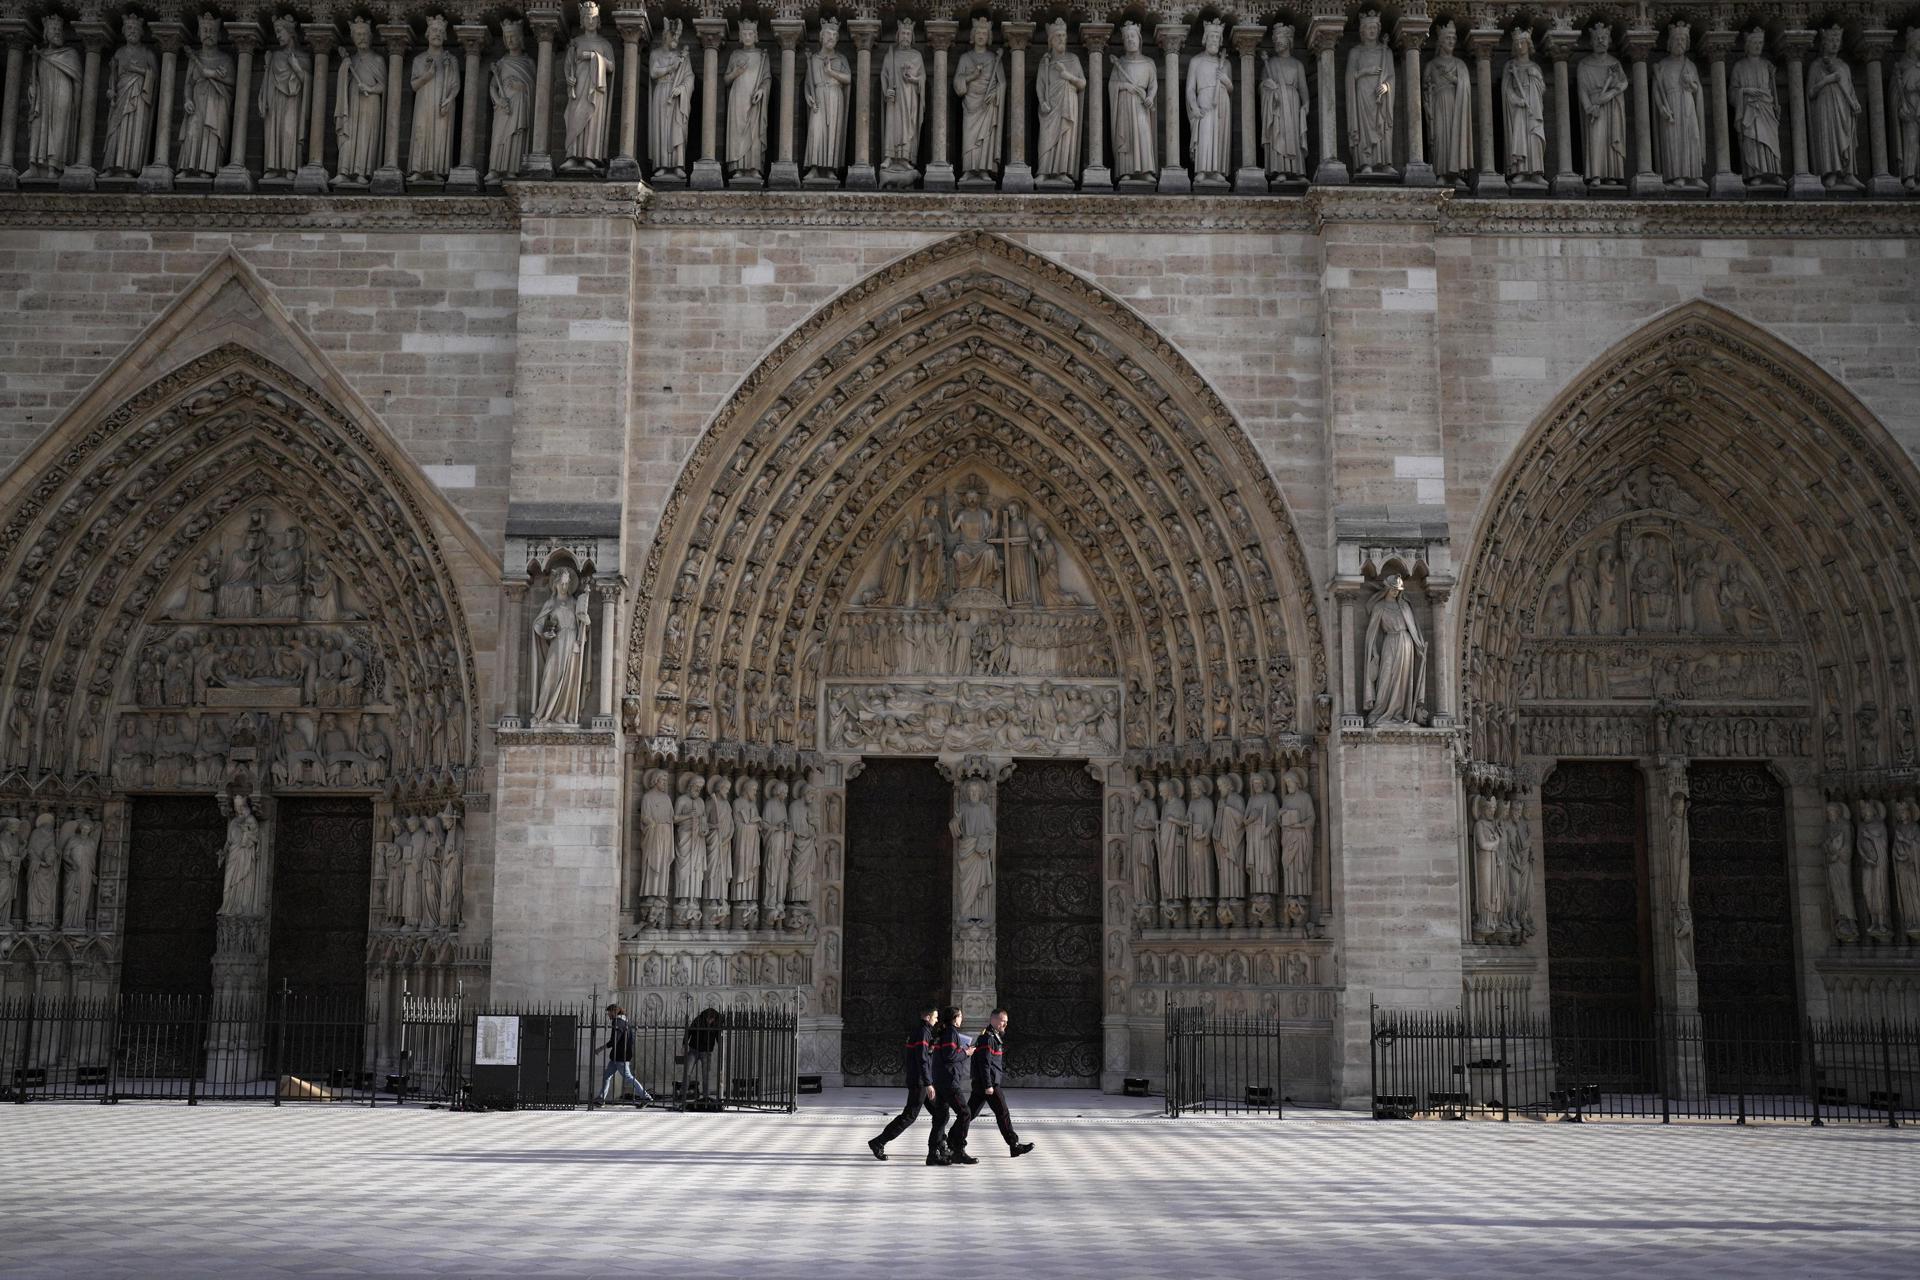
[1223,1063]
[1577,1064]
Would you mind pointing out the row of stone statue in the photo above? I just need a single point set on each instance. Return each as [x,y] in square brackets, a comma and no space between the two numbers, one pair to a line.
[48,866]
[419,867]
[1206,855]
[330,750]
[328,667]
[726,852]
[1872,855]
[1502,871]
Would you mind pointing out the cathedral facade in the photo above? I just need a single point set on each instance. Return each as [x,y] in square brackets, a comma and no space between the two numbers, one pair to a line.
[1246,509]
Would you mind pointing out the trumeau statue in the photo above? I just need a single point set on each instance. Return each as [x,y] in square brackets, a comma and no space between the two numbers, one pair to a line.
[359,100]
[1679,849]
[1756,110]
[1209,90]
[560,645]
[972,827]
[1523,90]
[747,79]
[53,101]
[510,86]
[980,81]
[828,77]
[1132,90]
[43,873]
[1870,855]
[589,79]
[240,861]
[671,102]
[1395,658]
[206,111]
[903,97]
[436,93]
[1603,110]
[1679,113]
[1836,847]
[1447,101]
[286,80]
[1370,100]
[1833,115]
[133,78]
[1283,108]
[79,856]
[1060,89]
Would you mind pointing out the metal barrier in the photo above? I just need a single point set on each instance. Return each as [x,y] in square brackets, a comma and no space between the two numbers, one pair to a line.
[1223,1064]
[1581,1063]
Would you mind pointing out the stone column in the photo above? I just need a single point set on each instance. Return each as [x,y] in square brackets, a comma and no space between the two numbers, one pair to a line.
[1173,170]
[610,590]
[1251,177]
[94,37]
[632,26]
[784,173]
[1567,184]
[708,175]
[1440,673]
[1018,174]
[1410,33]
[1489,179]
[974,937]
[1646,181]
[829,782]
[860,172]
[939,175]
[1118,1059]
[539,162]
[1725,184]
[1873,47]
[389,179]
[14,32]
[464,178]
[234,176]
[1093,38]
[312,177]
[1795,45]
[1323,34]
[506,671]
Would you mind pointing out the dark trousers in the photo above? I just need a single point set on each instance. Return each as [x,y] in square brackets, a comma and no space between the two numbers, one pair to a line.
[998,1101]
[949,1104]
[916,1098]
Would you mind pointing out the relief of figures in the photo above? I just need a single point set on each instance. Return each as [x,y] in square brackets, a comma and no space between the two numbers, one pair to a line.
[1643,578]
[965,550]
[1584,671]
[974,716]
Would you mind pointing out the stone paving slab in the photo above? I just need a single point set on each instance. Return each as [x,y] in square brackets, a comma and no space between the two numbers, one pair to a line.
[1113,1190]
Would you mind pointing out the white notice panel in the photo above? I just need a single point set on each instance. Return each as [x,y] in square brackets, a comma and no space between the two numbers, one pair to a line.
[496,1041]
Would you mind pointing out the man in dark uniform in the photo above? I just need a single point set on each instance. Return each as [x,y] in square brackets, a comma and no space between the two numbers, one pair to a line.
[951,1049]
[989,1071]
[916,1061]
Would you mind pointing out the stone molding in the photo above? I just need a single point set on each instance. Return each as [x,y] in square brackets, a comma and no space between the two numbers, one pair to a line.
[267,213]
[549,737]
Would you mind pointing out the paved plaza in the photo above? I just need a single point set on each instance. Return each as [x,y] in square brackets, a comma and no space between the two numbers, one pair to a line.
[1113,1190]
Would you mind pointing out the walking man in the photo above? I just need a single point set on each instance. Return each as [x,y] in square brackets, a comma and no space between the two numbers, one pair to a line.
[951,1049]
[916,1062]
[619,1051]
[989,1071]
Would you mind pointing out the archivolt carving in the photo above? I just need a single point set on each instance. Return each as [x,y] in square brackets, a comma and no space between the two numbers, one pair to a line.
[1700,422]
[135,505]
[974,355]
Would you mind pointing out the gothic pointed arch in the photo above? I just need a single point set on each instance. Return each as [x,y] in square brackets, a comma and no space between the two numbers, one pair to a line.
[1707,524]
[974,362]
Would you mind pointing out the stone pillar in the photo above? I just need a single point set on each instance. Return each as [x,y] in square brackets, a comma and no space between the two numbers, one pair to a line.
[1646,181]
[1018,174]
[94,37]
[609,628]
[1873,48]
[829,783]
[1173,170]
[312,177]
[1567,184]
[1795,45]
[234,176]
[784,173]
[506,671]
[1488,180]
[388,179]
[1093,38]
[14,32]
[632,26]
[1251,177]
[1323,34]
[940,175]
[974,937]
[1116,808]
[708,175]
[1410,33]
[464,178]
[539,162]
[860,172]
[1725,184]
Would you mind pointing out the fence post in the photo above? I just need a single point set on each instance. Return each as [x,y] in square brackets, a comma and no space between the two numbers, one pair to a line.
[1810,1063]
[1886,1073]
[26,1052]
[113,1050]
[280,1040]
[1660,1065]
[1506,1084]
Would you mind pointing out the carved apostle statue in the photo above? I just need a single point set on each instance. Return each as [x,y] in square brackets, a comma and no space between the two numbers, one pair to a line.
[671,74]
[589,116]
[1200,870]
[1060,89]
[358,101]
[1395,657]
[903,98]
[43,873]
[1603,110]
[1679,113]
[744,887]
[1756,110]
[1296,836]
[435,79]
[79,855]
[240,861]
[286,80]
[560,646]
[206,112]
[1263,835]
[713,890]
[1836,847]
[1144,825]
[1870,855]
[1230,848]
[1516,849]
[973,839]
[689,841]
[13,852]
[1523,96]
[1170,843]
[452,860]
[656,835]
[1904,851]
[1369,83]
[1447,102]
[133,78]
[804,871]
[776,844]
[1210,107]
[1489,870]
[1132,90]
[53,101]
[827,79]
[510,90]
[747,78]
[980,81]
[1833,115]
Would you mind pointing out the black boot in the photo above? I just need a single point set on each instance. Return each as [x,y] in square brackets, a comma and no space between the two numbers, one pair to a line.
[878,1148]
[1019,1149]
[961,1157]
[937,1155]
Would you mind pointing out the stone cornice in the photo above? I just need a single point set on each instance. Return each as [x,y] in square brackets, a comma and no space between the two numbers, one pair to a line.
[247,213]
[921,212]
[1800,219]
[553,737]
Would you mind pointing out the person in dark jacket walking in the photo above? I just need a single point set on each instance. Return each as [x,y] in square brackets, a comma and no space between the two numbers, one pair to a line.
[951,1049]
[989,1074]
[916,1062]
[619,1051]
